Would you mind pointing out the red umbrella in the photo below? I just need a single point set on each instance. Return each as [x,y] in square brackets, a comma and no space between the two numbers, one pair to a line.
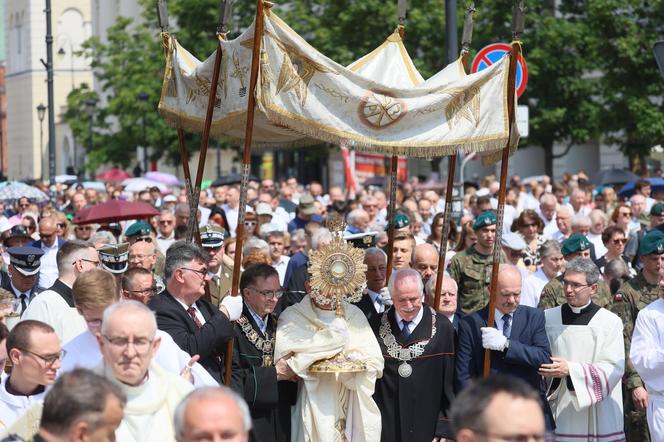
[113,211]
[115,174]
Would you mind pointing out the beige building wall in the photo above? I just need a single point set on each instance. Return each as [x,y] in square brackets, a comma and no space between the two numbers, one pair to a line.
[25,29]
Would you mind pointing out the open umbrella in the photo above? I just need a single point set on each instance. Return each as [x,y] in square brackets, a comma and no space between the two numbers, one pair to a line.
[113,211]
[116,175]
[376,181]
[657,184]
[231,178]
[163,177]
[607,177]
[140,184]
[13,190]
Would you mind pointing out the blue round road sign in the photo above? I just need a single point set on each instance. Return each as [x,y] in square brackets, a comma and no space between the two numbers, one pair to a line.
[495,52]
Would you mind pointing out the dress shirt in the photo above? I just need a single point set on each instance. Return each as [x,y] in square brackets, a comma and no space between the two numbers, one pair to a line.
[199,315]
[260,322]
[48,270]
[413,323]
[18,293]
[376,301]
[281,266]
[499,320]
[164,243]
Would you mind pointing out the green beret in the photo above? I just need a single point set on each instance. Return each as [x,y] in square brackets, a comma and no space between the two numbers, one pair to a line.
[485,219]
[575,243]
[139,228]
[400,221]
[657,209]
[652,242]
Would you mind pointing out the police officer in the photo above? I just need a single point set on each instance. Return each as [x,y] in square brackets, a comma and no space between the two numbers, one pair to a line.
[553,294]
[471,269]
[115,259]
[630,299]
[212,241]
[23,270]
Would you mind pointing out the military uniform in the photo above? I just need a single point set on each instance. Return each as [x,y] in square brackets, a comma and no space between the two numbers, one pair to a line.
[553,294]
[212,237]
[633,296]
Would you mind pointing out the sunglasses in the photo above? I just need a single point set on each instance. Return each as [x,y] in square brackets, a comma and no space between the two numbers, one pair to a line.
[619,241]
[250,223]
[165,223]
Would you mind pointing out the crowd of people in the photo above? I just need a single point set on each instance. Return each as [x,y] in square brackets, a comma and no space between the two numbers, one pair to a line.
[122,328]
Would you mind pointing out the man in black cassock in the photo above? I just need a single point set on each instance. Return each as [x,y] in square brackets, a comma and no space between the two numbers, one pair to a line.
[265,384]
[419,365]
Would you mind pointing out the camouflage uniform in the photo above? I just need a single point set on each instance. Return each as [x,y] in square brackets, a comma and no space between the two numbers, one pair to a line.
[472,272]
[553,294]
[631,298]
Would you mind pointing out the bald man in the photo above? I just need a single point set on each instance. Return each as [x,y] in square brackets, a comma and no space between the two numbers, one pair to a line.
[518,343]
[49,243]
[425,261]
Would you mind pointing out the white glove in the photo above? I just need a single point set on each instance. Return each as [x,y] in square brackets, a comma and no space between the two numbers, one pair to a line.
[233,305]
[385,297]
[493,339]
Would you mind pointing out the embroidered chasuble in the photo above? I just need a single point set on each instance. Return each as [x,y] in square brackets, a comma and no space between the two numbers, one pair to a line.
[148,415]
[587,405]
[331,407]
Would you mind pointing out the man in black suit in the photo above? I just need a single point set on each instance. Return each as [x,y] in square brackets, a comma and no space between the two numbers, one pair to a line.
[267,385]
[416,389]
[518,342]
[447,305]
[376,299]
[195,325]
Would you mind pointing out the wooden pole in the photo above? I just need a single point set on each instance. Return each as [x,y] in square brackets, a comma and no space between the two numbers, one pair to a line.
[246,165]
[517,28]
[451,169]
[394,167]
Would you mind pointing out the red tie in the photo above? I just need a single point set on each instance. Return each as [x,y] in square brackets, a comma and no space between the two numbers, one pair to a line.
[192,313]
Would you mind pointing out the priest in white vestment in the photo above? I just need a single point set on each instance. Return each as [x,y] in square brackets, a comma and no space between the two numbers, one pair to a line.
[647,356]
[330,405]
[588,361]
[128,343]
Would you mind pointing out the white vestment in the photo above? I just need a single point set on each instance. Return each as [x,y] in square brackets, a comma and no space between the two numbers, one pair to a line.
[330,406]
[148,415]
[51,308]
[595,355]
[83,352]
[14,407]
[647,355]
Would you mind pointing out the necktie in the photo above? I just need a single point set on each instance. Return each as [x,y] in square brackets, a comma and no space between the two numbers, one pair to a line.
[507,325]
[192,313]
[381,305]
[24,303]
[405,331]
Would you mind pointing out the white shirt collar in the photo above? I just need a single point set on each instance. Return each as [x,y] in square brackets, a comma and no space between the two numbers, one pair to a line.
[577,310]
[53,247]
[414,323]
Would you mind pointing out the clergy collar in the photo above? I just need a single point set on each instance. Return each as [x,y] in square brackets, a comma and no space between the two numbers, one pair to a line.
[10,390]
[415,321]
[64,291]
[579,310]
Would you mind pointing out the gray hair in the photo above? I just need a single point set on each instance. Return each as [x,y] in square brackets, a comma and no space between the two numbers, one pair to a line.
[400,274]
[548,198]
[103,237]
[299,235]
[373,251]
[321,234]
[616,268]
[181,253]
[598,215]
[585,266]
[549,247]
[355,214]
[255,243]
[79,395]
[126,306]
[430,286]
[209,393]
[581,220]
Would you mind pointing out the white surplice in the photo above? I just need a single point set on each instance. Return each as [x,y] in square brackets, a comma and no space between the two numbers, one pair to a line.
[595,355]
[13,407]
[51,308]
[647,355]
[330,406]
[148,415]
[83,352]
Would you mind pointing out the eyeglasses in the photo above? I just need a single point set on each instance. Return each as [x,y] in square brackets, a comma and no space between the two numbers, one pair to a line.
[625,214]
[144,238]
[165,222]
[529,225]
[574,285]
[618,241]
[269,293]
[24,205]
[250,223]
[141,345]
[200,272]
[48,359]
[92,261]
[146,291]
[45,236]
[83,228]
[61,225]
[139,257]
[536,437]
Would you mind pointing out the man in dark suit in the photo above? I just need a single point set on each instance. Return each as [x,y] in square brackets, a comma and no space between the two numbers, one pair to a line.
[195,325]
[377,298]
[49,243]
[267,385]
[448,305]
[518,343]
[416,389]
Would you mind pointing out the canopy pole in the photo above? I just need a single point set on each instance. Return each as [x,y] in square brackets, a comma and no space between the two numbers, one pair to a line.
[394,167]
[451,169]
[246,165]
[517,29]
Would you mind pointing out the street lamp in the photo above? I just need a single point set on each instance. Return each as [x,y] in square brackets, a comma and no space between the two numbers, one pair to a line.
[143,96]
[41,113]
[90,105]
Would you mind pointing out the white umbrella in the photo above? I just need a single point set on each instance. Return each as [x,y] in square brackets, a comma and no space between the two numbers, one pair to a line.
[139,184]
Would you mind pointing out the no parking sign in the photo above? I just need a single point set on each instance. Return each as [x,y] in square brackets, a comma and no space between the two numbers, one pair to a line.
[495,52]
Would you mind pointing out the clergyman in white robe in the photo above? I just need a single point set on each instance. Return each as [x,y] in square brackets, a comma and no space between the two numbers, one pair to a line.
[331,406]
[595,355]
[13,407]
[647,356]
[83,352]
